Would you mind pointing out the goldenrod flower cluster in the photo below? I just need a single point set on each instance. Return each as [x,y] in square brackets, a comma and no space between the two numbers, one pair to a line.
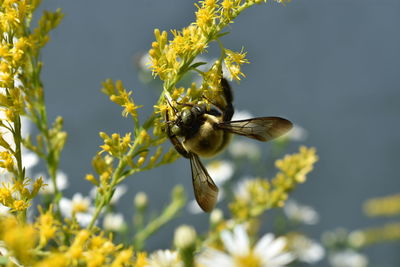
[258,195]
[16,194]
[25,242]
[387,206]
[21,94]
[389,232]
[383,206]
[172,58]
[120,96]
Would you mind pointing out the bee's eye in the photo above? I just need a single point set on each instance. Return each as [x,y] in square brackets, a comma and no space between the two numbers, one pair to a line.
[187,117]
[176,130]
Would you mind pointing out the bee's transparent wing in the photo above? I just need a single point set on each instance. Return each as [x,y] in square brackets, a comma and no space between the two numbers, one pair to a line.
[262,129]
[205,190]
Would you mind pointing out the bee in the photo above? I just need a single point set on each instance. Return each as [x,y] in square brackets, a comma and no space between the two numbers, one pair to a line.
[202,131]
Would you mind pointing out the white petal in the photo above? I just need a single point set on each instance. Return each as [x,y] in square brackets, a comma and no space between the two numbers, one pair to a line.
[263,244]
[120,190]
[84,219]
[29,160]
[242,240]
[280,260]
[228,241]
[220,170]
[275,247]
[215,258]
[66,207]
[62,180]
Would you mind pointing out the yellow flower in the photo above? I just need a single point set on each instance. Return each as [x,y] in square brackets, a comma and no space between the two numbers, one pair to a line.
[297,166]
[162,108]
[253,197]
[55,259]
[95,259]
[20,205]
[123,258]
[47,226]
[130,108]
[75,251]
[233,61]
[6,197]
[120,96]
[90,177]
[141,259]
[19,239]
[4,52]
[205,16]
[105,148]
[9,19]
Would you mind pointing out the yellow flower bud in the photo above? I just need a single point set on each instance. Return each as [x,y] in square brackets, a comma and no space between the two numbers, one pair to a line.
[140,200]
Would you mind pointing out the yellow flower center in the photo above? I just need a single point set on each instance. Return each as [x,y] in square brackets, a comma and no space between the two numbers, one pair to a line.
[249,260]
[80,206]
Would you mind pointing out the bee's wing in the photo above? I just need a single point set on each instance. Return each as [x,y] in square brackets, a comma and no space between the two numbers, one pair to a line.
[262,129]
[205,190]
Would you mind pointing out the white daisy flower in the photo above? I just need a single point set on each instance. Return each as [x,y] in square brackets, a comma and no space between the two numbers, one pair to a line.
[267,252]
[79,206]
[306,250]
[220,171]
[300,213]
[114,222]
[61,180]
[164,258]
[297,133]
[348,258]
[241,148]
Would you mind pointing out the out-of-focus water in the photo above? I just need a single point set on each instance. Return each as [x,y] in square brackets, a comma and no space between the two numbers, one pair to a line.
[332,67]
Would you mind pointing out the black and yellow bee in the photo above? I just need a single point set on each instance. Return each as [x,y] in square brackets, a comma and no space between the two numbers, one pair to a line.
[202,131]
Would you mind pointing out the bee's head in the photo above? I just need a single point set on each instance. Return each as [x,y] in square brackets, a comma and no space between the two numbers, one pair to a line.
[186,120]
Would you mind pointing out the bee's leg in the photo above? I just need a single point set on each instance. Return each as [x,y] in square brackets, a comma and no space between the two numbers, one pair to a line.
[175,141]
[228,95]
[178,146]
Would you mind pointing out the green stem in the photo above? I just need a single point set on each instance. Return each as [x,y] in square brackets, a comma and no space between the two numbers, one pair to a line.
[18,154]
[168,214]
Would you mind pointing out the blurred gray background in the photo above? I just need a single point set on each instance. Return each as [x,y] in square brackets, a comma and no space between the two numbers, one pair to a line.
[332,67]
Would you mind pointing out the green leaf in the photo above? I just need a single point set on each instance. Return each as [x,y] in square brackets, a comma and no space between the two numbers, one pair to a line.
[197,64]
[222,34]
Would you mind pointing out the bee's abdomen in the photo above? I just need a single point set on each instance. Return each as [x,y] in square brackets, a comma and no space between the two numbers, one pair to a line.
[207,142]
